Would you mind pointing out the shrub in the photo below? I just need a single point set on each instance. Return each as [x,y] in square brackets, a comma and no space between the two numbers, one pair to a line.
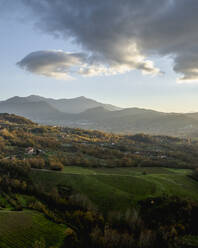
[55,165]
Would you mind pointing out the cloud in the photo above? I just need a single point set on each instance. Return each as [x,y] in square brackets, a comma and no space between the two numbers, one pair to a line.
[119,36]
[62,65]
[52,63]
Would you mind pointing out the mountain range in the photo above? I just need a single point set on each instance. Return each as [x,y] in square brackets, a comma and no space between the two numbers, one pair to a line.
[89,114]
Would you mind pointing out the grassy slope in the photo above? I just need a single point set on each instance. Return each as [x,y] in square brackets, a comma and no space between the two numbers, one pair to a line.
[118,189]
[21,229]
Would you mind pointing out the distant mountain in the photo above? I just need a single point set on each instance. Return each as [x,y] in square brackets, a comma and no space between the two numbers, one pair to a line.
[73,105]
[51,111]
[136,120]
[36,111]
[78,104]
[86,113]
[193,115]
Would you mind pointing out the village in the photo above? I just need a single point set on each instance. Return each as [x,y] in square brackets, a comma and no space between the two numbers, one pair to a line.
[72,146]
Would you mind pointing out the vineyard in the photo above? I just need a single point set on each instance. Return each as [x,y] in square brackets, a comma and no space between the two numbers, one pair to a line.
[23,229]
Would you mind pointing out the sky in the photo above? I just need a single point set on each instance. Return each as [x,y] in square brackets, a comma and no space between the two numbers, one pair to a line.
[124,52]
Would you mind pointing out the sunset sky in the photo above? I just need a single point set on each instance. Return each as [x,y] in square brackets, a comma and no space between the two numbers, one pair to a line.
[129,53]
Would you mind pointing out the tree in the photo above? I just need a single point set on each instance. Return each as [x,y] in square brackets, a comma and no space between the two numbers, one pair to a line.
[55,165]
[39,244]
[71,239]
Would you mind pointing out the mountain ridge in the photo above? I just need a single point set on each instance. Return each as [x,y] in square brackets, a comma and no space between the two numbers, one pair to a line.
[70,105]
[90,114]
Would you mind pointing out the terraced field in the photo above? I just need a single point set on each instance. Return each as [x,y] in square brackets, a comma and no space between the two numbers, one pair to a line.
[121,188]
[22,229]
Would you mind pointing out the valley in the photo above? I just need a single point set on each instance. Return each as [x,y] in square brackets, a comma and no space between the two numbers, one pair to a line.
[69,186]
[86,113]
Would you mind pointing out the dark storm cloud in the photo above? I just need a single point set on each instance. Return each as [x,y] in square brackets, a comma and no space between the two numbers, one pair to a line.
[119,35]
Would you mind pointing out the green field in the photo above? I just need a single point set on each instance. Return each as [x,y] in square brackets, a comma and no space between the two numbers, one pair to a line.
[121,188]
[115,189]
[22,229]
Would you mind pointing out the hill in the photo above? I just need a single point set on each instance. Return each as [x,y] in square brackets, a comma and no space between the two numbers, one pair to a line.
[50,147]
[86,188]
[25,228]
[36,111]
[86,113]
[11,118]
[73,105]
[117,189]
[134,120]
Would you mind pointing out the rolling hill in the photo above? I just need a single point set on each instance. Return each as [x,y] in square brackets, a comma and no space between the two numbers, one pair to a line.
[76,182]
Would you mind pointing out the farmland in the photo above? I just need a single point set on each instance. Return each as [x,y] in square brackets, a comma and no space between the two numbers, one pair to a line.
[63,187]
[23,229]
[121,188]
